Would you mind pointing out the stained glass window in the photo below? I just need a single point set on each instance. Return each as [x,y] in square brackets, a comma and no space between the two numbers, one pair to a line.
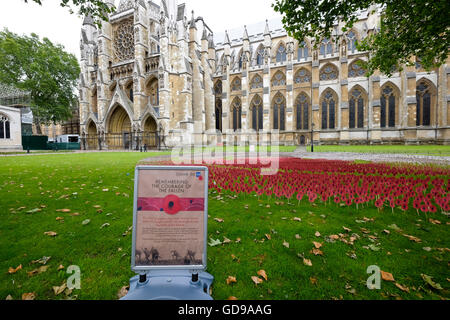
[387,112]
[303,51]
[328,110]
[281,53]
[257,113]
[329,72]
[356,109]
[326,47]
[302,111]
[302,76]
[5,132]
[237,114]
[355,70]
[279,109]
[279,79]
[236,85]
[351,41]
[423,107]
[257,82]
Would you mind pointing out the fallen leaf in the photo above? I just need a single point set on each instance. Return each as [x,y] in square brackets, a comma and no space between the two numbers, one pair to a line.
[386,276]
[51,233]
[412,238]
[405,289]
[256,280]
[232,298]
[313,280]
[298,237]
[347,229]
[394,227]
[373,247]
[58,290]
[59,218]
[219,220]
[298,219]
[38,270]
[85,222]
[286,244]
[214,243]
[75,214]
[318,245]
[428,249]
[65,210]
[42,260]
[262,273]
[226,240]
[34,210]
[317,234]
[61,267]
[105,225]
[231,279]
[317,252]
[268,236]
[435,221]
[386,231]
[430,282]
[334,237]
[9,297]
[11,270]
[123,292]
[307,262]
[29,296]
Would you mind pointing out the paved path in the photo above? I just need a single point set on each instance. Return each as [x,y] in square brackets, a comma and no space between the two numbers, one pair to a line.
[375,157]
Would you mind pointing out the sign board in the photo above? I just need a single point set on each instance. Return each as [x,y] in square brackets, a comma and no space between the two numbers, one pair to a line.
[170,218]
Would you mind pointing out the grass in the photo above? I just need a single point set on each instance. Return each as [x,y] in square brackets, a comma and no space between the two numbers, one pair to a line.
[99,187]
[434,150]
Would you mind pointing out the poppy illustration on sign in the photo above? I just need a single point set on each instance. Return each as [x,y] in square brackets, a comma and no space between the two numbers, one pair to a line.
[172,205]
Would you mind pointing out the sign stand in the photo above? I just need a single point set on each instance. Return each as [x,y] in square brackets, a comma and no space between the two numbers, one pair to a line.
[170,216]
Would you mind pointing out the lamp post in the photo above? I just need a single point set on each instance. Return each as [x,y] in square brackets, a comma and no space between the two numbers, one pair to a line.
[312,137]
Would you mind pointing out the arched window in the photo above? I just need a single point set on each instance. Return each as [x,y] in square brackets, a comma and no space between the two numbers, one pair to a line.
[351,36]
[257,111]
[302,112]
[281,53]
[218,104]
[260,56]
[302,51]
[237,114]
[279,79]
[302,76]
[329,102]
[5,131]
[424,95]
[329,72]
[356,70]
[236,85]
[257,82]
[356,109]
[129,91]
[388,105]
[240,60]
[326,47]
[279,112]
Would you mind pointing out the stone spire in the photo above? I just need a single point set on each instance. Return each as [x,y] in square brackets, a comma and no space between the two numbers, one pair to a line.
[267,29]
[245,37]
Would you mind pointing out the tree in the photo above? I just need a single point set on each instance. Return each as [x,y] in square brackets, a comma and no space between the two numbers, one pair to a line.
[97,9]
[42,68]
[408,28]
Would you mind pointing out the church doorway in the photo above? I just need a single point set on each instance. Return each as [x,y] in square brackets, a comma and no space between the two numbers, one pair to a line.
[92,136]
[302,140]
[119,130]
[150,136]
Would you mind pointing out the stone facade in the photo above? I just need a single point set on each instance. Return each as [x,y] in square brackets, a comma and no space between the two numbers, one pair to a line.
[10,129]
[154,75]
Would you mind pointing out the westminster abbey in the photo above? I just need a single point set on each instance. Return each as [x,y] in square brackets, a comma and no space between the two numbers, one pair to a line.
[156,74]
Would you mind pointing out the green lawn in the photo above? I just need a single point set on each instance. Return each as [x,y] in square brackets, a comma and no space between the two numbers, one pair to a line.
[99,187]
[435,150]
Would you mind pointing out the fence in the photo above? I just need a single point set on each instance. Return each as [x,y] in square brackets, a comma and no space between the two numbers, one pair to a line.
[121,141]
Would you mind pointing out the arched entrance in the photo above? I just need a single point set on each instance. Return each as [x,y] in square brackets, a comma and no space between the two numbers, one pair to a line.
[150,136]
[92,136]
[119,130]
[302,140]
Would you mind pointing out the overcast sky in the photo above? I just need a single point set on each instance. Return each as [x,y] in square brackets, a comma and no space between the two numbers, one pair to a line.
[56,23]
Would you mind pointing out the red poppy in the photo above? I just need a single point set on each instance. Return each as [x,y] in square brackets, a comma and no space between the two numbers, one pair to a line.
[172,205]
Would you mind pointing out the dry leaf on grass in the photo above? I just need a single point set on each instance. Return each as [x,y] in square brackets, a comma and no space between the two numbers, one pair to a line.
[297,219]
[262,273]
[50,233]
[219,220]
[412,238]
[405,289]
[435,221]
[307,262]
[318,245]
[29,296]
[11,270]
[317,252]
[317,234]
[58,290]
[231,279]
[232,298]
[256,280]
[268,236]
[386,276]
[38,270]
[286,244]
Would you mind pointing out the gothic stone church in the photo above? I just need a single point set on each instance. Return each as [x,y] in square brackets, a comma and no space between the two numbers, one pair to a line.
[157,74]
